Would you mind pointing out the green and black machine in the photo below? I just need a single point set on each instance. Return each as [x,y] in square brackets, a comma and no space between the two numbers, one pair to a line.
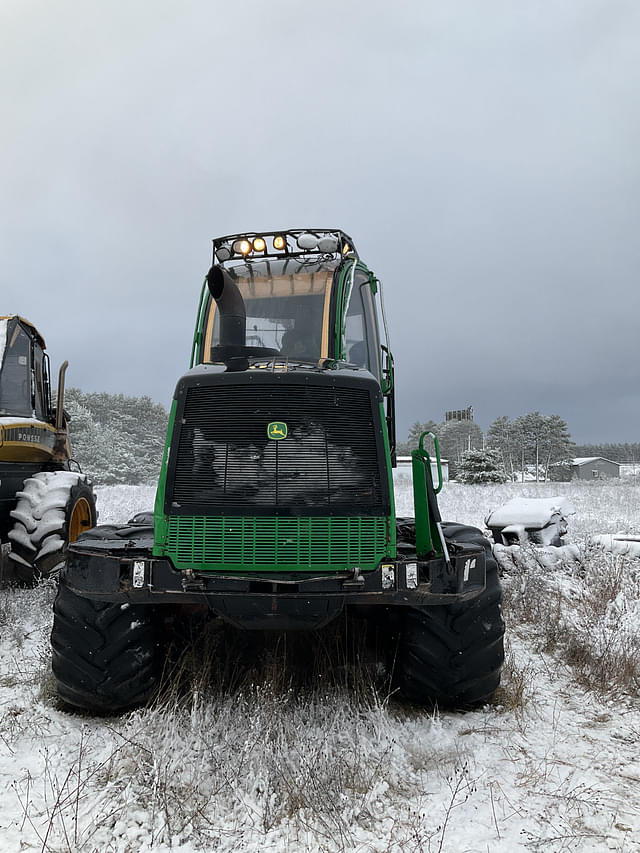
[275,504]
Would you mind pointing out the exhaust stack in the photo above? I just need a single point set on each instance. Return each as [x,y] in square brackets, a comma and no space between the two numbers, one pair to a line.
[61,447]
[233,315]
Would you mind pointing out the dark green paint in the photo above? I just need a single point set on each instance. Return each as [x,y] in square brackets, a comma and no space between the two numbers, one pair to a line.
[427,538]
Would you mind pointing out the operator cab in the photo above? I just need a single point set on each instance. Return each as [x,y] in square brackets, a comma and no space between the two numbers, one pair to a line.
[306,297]
[24,371]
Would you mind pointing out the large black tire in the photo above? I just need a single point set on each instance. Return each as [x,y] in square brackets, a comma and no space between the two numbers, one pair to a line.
[53,509]
[104,655]
[453,654]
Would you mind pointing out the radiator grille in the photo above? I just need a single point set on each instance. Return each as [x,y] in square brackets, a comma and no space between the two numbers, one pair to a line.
[226,463]
[275,543]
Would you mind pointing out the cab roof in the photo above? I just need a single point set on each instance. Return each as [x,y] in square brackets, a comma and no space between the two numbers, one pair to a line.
[36,334]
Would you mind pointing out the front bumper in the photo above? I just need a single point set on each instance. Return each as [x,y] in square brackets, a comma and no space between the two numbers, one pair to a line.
[110,569]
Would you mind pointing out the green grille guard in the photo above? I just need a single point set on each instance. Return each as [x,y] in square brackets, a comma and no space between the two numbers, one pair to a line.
[267,543]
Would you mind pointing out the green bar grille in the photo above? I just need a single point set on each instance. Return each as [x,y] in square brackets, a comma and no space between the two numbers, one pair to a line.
[276,543]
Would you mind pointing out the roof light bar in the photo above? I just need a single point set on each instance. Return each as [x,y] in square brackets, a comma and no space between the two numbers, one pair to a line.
[291,243]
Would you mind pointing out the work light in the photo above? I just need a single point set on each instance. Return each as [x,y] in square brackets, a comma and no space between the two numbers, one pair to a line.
[241,247]
[328,244]
[307,241]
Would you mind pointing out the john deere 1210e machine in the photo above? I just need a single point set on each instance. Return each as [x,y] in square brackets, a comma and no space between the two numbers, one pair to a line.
[275,503]
[44,503]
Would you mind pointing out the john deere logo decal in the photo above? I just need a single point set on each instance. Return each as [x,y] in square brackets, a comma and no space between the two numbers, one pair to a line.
[277,430]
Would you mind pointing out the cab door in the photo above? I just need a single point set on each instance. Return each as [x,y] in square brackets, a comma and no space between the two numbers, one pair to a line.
[15,373]
[358,335]
[358,338]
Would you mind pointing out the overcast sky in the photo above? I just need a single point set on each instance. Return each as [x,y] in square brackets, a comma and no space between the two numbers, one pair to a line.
[484,157]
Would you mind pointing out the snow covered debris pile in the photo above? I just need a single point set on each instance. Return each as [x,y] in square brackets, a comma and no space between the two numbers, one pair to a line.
[541,521]
[619,543]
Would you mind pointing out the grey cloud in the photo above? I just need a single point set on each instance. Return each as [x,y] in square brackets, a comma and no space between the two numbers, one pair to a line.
[484,157]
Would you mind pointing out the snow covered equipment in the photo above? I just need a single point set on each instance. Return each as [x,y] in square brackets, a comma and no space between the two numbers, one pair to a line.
[44,504]
[275,504]
[541,521]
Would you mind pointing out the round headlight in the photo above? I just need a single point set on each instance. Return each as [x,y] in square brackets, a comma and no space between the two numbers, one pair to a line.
[223,253]
[259,245]
[279,242]
[307,241]
[241,247]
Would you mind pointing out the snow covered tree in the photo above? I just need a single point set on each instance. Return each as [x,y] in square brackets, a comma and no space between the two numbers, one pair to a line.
[416,430]
[116,439]
[533,440]
[456,438]
[481,466]
[502,436]
[544,439]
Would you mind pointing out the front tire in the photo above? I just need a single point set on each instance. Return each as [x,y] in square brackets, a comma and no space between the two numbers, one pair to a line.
[453,654]
[103,654]
[53,509]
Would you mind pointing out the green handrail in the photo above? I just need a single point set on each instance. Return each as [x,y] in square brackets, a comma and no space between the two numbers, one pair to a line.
[427,515]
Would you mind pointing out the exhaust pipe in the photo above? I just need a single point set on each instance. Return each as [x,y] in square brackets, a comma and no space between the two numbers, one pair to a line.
[61,447]
[233,314]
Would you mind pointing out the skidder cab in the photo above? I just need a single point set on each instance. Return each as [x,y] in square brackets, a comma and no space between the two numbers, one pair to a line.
[44,504]
[275,501]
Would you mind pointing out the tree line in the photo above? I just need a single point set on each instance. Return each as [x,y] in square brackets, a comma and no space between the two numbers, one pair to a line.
[120,439]
[538,444]
[114,438]
[626,452]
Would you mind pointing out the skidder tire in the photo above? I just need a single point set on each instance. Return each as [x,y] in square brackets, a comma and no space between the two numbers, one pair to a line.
[453,654]
[53,509]
[103,654]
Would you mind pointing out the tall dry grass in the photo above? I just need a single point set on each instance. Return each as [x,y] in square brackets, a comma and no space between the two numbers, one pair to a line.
[278,743]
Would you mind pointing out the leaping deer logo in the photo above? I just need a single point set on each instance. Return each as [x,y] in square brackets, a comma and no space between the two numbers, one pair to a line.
[277,430]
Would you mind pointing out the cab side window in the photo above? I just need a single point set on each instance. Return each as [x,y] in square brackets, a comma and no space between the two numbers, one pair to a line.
[40,396]
[361,339]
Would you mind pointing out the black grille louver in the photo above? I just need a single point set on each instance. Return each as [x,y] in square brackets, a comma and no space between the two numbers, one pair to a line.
[329,464]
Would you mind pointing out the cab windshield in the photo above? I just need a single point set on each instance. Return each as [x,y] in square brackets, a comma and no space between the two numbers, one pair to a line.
[15,386]
[287,306]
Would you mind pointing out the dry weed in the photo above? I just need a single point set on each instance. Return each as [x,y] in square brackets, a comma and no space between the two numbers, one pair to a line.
[585,612]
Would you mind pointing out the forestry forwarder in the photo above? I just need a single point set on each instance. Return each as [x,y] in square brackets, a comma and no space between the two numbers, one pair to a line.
[275,500]
[44,502]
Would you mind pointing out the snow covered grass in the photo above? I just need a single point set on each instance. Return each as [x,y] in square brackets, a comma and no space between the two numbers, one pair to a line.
[255,763]
[586,612]
[117,504]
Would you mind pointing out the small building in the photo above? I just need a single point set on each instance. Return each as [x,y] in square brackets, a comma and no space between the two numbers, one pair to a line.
[630,469]
[404,464]
[594,468]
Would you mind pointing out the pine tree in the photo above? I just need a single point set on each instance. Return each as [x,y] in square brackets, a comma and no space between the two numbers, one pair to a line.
[416,430]
[536,440]
[481,466]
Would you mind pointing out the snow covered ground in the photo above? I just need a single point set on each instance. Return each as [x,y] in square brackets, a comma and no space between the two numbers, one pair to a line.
[551,765]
